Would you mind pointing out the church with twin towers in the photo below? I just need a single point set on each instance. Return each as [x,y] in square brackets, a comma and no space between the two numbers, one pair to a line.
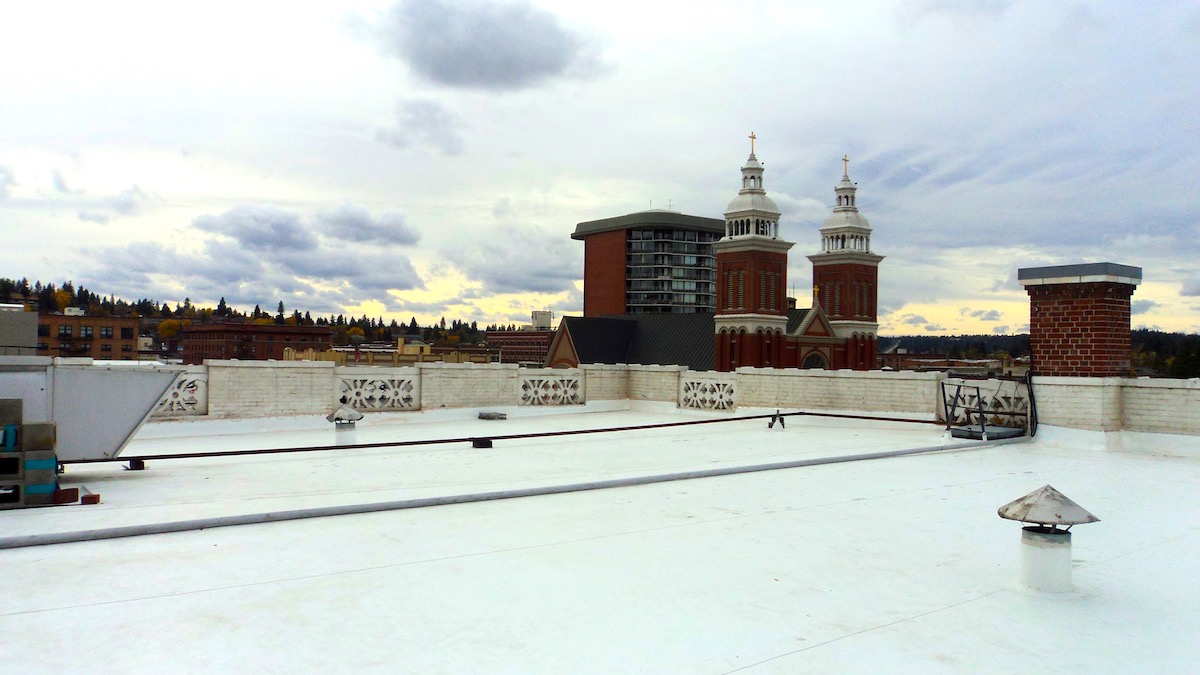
[662,287]
[755,324]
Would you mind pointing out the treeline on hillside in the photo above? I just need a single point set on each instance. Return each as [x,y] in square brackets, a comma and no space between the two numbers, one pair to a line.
[1154,352]
[165,321]
[959,346]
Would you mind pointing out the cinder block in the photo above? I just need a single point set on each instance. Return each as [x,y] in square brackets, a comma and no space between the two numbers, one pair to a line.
[11,411]
[40,436]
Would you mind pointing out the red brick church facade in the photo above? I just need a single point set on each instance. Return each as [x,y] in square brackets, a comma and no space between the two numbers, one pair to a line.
[754,325]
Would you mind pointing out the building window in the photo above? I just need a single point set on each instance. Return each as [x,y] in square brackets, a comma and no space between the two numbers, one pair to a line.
[43,346]
[85,331]
[762,289]
[126,333]
[106,332]
[741,296]
[126,348]
[106,348]
[43,330]
[64,331]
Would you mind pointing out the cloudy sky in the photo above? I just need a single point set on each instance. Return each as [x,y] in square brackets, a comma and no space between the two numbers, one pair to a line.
[430,158]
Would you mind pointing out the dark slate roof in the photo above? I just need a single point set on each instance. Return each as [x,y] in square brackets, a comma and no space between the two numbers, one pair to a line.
[649,219]
[599,340]
[646,339]
[795,318]
[674,340]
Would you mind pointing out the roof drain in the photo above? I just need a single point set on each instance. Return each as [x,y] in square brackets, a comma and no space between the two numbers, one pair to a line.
[1045,548]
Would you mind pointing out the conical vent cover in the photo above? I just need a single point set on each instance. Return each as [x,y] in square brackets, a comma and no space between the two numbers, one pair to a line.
[1046,506]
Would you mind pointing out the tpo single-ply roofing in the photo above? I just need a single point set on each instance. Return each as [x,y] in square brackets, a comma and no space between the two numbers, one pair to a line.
[878,565]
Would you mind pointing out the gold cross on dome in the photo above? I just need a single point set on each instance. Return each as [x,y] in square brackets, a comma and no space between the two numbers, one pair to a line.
[846,164]
[752,137]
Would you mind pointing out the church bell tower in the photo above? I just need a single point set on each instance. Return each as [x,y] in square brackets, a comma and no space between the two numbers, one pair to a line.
[846,278]
[751,315]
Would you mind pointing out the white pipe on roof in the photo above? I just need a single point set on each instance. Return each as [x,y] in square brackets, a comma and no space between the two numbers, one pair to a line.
[353,509]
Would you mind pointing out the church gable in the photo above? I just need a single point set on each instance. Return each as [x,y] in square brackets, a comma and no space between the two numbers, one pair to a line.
[814,324]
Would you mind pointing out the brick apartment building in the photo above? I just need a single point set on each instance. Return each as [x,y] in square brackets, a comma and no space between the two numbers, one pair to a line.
[527,347]
[247,341]
[108,338]
[648,263]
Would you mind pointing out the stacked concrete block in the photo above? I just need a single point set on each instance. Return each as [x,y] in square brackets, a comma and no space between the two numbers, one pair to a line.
[28,464]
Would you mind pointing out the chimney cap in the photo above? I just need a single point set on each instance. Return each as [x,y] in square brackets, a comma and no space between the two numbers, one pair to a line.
[344,415]
[1046,506]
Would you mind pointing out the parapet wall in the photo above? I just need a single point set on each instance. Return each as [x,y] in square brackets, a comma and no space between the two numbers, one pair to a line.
[245,389]
[872,391]
[1119,404]
[269,388]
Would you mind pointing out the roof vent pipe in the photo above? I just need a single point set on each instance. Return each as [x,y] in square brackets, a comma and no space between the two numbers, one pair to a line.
[1046,538]
[343,424]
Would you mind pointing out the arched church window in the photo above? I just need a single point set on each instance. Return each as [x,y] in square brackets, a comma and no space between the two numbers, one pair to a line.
[813,361]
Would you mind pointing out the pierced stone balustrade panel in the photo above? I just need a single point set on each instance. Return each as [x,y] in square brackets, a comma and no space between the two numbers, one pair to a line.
[552,388]
[706,393]
[379,393]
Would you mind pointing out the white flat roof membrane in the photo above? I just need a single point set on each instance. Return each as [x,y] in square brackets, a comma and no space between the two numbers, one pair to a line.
[889,564]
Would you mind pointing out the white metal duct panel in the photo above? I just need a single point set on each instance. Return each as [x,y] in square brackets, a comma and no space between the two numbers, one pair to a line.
[98,408]
[29,379]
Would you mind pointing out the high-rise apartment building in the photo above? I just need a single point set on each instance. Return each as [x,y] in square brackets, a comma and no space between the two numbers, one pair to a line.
[650,262]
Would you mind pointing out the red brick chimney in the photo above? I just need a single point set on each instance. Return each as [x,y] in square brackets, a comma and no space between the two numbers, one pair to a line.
[1079,318]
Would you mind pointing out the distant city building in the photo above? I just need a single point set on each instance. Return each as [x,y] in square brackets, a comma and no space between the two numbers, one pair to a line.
[542,320]
[528,345]
[649,262]
[249,341]
[394,355]
[76,334]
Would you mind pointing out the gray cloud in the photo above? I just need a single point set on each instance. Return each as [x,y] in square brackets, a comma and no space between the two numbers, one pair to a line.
[1191,287]
[1142,306]
[130,202]
[352,222]
[60,184]
[1000,330]
[918,10]
[370,272]
[522,260]
[981,314]
[101,217]
[913,319]
[265,254]
[483,44]
[261,228]
[7,180]
[427,123]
